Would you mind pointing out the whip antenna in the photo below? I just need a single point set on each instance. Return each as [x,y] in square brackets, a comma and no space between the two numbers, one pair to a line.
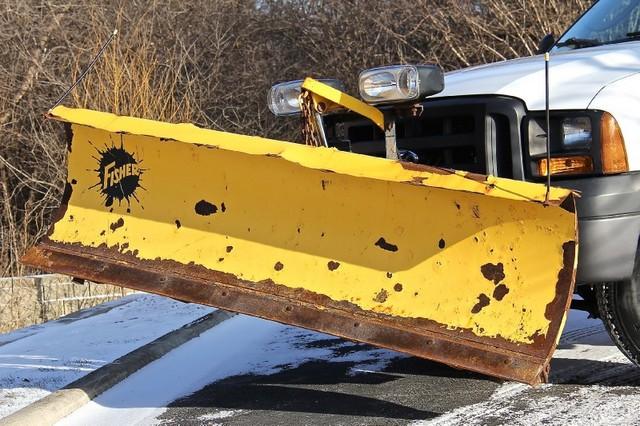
[546,101]
[86,70]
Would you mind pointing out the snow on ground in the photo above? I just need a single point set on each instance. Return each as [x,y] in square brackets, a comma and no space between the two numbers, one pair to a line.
[586,356]
[589,382]
[37,360]
[222,414]
[588,387]
[241,345]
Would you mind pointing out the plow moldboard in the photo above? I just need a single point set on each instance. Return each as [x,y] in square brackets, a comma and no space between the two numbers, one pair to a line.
[472,271]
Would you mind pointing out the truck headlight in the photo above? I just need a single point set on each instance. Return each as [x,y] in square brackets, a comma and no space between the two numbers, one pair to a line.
[575,149]
[400,83]
[567,134]
[576,133]
[283,97]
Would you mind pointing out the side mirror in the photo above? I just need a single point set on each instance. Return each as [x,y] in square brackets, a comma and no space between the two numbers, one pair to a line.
[546,43]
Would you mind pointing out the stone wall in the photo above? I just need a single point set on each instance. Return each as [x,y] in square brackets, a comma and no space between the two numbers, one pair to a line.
[32,300]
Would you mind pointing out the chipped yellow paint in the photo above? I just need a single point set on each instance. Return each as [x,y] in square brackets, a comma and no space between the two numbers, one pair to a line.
[354,228]
[335,98]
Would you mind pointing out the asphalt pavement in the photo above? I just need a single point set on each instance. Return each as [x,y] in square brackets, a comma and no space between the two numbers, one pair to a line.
[253,372]
[320,393]
[591,383]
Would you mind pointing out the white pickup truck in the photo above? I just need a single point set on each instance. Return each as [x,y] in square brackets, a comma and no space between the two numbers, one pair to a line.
[491,119]
[594,100]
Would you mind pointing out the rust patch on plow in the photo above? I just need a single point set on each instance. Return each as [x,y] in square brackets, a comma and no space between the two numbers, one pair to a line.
[117,224]
[423,168]
[566,278]
[381,297]
[205,208]
[483,301]
[493,272]
[59,213]
[384,245]
[420,337]
[500,292]
[333,265]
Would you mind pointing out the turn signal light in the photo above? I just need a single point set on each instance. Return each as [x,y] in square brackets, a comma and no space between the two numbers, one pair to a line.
[566,165]
[614,155]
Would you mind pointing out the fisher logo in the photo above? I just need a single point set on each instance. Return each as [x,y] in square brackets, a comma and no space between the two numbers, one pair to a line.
[120,175]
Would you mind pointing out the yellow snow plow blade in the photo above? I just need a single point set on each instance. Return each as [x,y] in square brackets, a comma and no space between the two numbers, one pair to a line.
[469,270]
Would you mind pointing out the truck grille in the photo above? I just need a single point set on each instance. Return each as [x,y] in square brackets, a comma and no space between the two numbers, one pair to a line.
[480,135]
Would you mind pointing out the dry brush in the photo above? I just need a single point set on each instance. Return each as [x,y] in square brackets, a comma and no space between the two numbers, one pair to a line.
[211,63]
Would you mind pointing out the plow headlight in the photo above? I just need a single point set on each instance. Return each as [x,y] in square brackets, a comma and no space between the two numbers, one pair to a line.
[400,83]
[283,97]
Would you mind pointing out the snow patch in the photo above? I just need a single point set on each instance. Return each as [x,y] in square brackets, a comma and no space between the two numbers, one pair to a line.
[585,355]
[219,415]
[239,346]
[41,359]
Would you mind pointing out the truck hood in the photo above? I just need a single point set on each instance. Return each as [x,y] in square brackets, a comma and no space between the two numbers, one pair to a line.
[575,76]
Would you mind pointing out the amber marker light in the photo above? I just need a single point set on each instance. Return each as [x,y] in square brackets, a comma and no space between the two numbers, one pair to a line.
[614,155]
[566,165]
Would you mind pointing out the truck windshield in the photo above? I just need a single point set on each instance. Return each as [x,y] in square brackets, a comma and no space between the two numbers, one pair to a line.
[607,22]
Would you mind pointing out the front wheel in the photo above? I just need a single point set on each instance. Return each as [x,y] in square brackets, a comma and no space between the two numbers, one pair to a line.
[619,308]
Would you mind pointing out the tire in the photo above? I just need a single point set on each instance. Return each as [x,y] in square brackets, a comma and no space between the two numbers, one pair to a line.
[619,308]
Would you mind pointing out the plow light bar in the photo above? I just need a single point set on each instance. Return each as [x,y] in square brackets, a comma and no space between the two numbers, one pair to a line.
[283,97]
[400,83]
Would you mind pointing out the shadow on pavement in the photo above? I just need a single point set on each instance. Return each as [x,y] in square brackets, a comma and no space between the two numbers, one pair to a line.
[593,372]
[321,392]
[304,389]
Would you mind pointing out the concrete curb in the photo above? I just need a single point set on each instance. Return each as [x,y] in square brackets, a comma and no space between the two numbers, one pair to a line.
[65,401]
